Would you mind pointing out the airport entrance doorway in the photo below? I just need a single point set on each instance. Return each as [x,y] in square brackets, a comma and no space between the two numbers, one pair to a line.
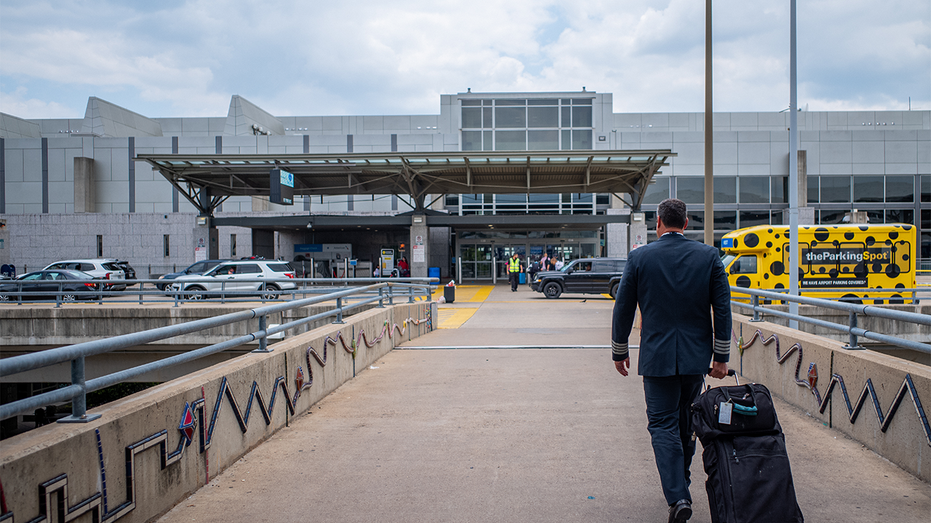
[483,259]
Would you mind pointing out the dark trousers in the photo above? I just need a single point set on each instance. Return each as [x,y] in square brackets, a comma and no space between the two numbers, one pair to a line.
[513,277]
[668,400]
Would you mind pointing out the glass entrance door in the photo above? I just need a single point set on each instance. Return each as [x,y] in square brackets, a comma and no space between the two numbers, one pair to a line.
[476,261]
[503,253]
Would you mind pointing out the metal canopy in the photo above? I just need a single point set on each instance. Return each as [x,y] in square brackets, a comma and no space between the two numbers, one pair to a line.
[403,221]
[208,180]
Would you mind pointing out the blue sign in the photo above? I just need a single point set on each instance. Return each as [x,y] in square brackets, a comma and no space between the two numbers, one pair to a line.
[727,243]
[287,179]
[281,187]
[308,247]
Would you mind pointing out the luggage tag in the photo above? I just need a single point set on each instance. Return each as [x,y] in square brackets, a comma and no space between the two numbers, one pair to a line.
[724,413]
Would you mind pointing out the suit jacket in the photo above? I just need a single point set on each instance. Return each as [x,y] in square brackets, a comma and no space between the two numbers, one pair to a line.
[678,284]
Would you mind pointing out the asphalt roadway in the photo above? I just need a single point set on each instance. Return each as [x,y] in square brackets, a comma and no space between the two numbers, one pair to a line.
[443,431]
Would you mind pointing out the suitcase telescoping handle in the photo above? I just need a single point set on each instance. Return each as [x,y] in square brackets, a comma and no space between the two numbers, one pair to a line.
[730,372]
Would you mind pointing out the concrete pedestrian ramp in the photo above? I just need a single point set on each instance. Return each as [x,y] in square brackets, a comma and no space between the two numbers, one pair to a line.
[537,428]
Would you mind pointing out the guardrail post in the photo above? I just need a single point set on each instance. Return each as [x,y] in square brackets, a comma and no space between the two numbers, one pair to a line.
[390,295]
[381,297]
[852,344]
[78,403]
[339,311]
[756,313]
[410,294]
[263,341]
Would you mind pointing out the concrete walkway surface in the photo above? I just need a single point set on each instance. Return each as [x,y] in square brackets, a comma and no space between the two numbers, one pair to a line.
[514,434]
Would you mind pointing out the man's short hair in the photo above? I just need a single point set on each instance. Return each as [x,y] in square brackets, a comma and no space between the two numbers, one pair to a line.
[673,213]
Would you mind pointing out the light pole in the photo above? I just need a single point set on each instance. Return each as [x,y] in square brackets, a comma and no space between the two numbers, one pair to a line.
[793,168]
[709,137]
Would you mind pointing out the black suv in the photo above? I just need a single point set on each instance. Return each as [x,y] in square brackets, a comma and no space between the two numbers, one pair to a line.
[587,276]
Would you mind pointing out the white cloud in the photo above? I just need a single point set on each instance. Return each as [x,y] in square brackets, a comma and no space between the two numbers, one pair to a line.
[186,58]
[18,103]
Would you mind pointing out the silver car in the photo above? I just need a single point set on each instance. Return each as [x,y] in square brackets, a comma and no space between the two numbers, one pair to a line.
[99,268]
[237,278]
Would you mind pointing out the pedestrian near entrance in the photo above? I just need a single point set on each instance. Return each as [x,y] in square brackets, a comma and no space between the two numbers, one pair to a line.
[532,271]
[404,270]
[514,270]
[684,299]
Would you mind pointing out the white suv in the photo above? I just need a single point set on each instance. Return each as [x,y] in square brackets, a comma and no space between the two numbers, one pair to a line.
[100,269]
[237,278]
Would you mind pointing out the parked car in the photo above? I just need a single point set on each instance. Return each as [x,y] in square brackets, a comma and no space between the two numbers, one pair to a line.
[46,285]
[128,270]
[99,268]
[196,268]
[586,276]
[229,277]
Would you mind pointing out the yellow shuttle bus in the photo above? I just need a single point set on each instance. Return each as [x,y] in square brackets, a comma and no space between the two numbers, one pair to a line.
[863,263]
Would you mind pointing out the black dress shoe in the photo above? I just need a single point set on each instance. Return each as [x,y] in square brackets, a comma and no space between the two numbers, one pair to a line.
[680,511]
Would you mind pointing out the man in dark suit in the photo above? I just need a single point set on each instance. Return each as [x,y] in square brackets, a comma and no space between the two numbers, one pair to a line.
[684,298]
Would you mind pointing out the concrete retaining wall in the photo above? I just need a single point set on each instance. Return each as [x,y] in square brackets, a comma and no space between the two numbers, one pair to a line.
[126,465]
[812,364]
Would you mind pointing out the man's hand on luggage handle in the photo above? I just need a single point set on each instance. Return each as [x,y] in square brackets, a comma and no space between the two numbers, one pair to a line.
[622,366]
[718,369]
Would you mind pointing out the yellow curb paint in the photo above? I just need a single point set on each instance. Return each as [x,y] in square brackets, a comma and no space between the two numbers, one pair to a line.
[454,318]
[468,293]
[482,293]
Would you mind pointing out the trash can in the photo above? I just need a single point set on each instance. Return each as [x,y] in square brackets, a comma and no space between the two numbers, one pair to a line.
[449,293]
[433,272]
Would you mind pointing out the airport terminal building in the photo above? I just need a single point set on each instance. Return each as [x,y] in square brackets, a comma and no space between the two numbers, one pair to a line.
[457,192]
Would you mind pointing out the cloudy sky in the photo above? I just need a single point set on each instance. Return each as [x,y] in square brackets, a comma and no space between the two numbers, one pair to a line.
[310,57]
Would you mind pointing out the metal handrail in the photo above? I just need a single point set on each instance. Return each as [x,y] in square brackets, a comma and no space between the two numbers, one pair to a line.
[853,309]
[77,353]
[146,289]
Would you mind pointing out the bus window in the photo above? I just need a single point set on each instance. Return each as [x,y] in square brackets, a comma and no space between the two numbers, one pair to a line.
[746,264]
[727,259]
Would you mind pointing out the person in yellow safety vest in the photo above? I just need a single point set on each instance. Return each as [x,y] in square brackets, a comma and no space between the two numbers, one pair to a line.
[514,270]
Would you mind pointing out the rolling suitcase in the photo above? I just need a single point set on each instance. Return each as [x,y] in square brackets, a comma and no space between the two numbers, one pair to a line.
[744,456]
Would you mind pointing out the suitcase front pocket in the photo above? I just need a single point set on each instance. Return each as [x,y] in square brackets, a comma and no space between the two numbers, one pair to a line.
[761,480]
